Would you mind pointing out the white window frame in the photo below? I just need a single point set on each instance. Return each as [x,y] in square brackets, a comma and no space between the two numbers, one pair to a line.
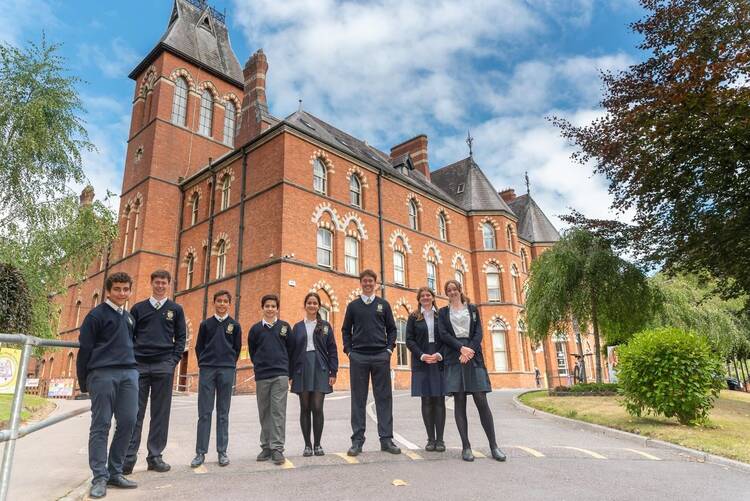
[230,122]
[351,255]
[399,270]
[499,332]
[402,354]
[492,272]
[179,102]
[226,191]
[413,215]
[324,249]
[442,227]
[355,191]
[488,237]
[221,259]
[320,177]
[205,123]
[432,275]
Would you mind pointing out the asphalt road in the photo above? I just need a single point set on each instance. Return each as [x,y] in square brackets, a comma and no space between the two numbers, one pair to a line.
[547,460]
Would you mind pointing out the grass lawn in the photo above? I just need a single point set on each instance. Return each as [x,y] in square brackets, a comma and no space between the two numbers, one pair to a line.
[33,407]
[727,434]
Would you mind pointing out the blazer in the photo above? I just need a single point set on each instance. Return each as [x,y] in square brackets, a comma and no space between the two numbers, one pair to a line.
[452,344]
[418,341]
[325,350]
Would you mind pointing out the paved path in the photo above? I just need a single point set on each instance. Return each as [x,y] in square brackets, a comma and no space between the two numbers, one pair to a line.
[547,460]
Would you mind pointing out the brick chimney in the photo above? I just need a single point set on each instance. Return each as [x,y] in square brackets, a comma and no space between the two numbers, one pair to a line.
[508,195]
[87,196]
[417,148]
[253,119]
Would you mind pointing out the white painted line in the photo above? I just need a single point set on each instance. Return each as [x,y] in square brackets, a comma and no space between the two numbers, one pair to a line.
[529,450]
[593,454]
[645,454]
[396,437]
[345,457]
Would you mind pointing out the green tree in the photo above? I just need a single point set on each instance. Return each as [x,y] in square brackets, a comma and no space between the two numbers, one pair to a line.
[674,141]
[15,316]
[581,277]
[45,232]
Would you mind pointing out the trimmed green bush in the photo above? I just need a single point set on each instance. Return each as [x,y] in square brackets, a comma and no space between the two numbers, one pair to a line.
[671,372]
[593,388]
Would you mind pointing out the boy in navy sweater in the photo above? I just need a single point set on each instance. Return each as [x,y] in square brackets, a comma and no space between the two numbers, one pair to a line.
[369,334]
[269,342]
[218,349]
[159,340]
[106,369]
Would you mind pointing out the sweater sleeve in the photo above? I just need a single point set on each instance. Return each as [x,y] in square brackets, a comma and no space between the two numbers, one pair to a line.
[200,342]
[390,328]
[333,352]
[444,331]
[237,342]
[180,335]
[251,343]
[411,337]
[86,339]
[475,342]
[346,329]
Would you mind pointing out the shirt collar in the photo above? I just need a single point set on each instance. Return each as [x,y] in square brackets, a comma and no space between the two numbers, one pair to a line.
[155,301]
[266,324]
[431,310]
[221,319]
[367,299]
[118,309]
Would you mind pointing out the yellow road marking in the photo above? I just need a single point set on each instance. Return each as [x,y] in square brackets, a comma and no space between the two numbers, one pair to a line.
[413,455]
[200,470]
[530,451]
[593,454]
[645,454]
[348,459]
[288,465]
[478,454]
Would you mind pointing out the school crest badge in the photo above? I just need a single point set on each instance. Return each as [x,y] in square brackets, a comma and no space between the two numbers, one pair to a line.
[230,328]
[170,315]
[325,330]
[474,316]
[130,320]
[283,331]
[380,308]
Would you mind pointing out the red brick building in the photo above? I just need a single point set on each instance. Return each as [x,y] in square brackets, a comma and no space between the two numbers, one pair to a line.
[228,196]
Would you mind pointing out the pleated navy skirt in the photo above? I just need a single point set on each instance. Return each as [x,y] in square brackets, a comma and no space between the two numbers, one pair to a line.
[428,381]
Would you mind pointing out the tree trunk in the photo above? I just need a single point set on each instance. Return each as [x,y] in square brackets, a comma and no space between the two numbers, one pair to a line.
[745,363]
[736,372]
[597,343]
[744,374]
[577,330]
[547,369]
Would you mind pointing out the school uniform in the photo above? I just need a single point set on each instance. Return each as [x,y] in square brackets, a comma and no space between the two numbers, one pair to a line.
[269,346]
[106,368]
[422,338]
[314,357]
[217,348]
[369,335]
[458,329]
[159,341]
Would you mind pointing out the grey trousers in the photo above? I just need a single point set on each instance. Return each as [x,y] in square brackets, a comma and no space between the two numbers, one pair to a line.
[271,395]
[214,383]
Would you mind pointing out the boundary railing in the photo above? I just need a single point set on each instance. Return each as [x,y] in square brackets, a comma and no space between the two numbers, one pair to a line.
[14,432]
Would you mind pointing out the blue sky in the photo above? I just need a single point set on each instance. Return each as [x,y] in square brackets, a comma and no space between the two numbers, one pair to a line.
[383,71]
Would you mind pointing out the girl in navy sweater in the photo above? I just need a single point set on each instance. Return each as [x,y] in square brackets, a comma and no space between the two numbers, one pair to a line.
[314,363]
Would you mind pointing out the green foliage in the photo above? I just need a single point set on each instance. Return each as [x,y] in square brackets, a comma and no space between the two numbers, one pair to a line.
[671,372]
[593,388]
[674,141]
[15,315]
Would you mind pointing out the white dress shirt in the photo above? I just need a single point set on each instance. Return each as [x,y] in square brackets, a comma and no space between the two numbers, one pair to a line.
[270,326]
[118,309]
[460,321]
[367,299]
[157,303]
[310,329]
[221,319]
[429,318]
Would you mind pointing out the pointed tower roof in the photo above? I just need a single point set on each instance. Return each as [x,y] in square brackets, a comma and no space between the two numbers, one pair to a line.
[533,224]
[469,187]
[197,33]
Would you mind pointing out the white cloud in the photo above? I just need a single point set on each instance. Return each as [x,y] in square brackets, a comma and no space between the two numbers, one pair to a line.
[114,60]
[23,20]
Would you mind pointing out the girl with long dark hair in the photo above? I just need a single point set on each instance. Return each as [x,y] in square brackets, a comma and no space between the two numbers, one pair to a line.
[465,373]
[427,379]
[314,363]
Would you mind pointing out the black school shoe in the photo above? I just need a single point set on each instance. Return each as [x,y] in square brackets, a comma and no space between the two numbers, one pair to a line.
[497,454]
[264,455]
[98,489]
[158,465]
[355,449]
[467,455]
[121,482]
[439,446]
[389,446]
[197,460]
[223,459]
[307,452]
[318,451]
[278,457]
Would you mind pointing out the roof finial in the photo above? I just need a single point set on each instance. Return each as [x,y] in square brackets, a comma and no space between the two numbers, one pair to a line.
[526,175]
[470,142]
[300,104]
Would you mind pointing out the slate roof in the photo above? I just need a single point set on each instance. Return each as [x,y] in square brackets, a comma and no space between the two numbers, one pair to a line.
[465,182]
[533,225]
[200,36]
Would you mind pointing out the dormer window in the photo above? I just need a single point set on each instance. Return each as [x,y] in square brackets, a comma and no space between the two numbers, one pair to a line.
[460,188]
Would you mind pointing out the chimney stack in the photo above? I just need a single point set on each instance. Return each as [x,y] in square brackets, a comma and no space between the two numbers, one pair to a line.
[508,195]
[253,119]
[416,147]
[87,196]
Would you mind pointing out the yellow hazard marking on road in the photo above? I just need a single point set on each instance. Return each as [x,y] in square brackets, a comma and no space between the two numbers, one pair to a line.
[529,450]
[399,483]
[645,454]
[348,459]
[478,454]
[288,465]
[200,470]
[413,455]
[593,454]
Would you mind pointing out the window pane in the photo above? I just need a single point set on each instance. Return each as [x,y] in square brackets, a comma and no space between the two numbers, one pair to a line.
[498,344]
[431,275]
[324,313]
[442,227]
[179,104]
[489,236]
[402,355]
[325,240]
[562,361]
[459,276]
[398,268]
[493,286]
[319,176]
[207,113]
[229,123]
[354,191]
[351,251]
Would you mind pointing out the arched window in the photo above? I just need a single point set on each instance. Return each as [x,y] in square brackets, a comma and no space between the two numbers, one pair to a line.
[351,256]
[442,227]
[207,113]
[432,279]
[95,300]
[325,247]
[402,354]
[509,236]
[69,366]
[194,201]
[78,313]
[493,283]
[190,271]
[325,313]
[137,210]
[500,346]
[399,268]
[319,177]
[488,234]
[226,184]
[524,261]
[413,215]
[459,276]
[179,103]
[221,259]
[515,285]
[561,353]
[522,344]
[125,234]
[230,116]
[355,191]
